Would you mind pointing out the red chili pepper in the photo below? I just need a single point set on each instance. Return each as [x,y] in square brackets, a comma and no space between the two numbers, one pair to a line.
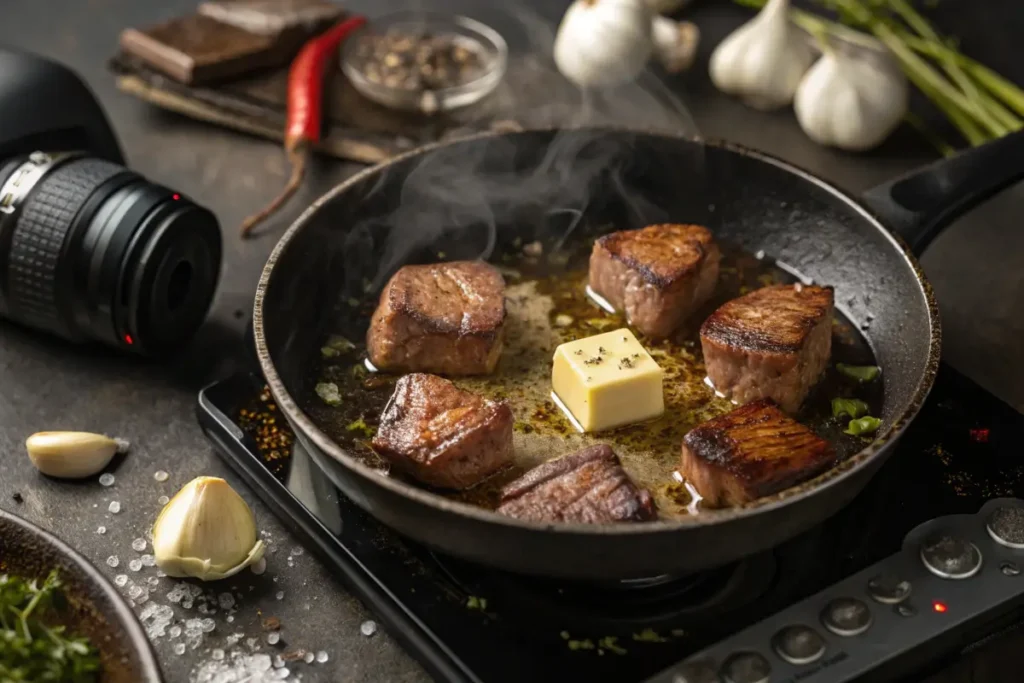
[305,103]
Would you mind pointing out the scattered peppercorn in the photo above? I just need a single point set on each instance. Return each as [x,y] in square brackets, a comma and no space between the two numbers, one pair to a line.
[273,441]
[418,61]
[18,498]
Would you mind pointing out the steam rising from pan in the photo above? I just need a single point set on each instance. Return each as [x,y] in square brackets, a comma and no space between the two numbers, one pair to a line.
[476,189]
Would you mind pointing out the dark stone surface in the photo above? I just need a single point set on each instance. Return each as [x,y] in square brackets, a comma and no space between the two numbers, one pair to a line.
[975,266]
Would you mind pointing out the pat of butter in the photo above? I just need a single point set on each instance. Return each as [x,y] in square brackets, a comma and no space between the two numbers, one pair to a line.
[607,380]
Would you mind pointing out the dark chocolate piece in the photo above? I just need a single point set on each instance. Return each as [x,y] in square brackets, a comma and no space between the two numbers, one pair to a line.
[271,17]
[197,49]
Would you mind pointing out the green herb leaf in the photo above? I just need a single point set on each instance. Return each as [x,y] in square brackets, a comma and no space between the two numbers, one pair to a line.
[864,426]
[611,643]
[31,651]
[328,393]
[336,346]
[361,426]
[849,406]
[473,602]
[861,373]
[649,635]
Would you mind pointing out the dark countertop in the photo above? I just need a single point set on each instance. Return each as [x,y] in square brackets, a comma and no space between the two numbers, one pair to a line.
[975,266]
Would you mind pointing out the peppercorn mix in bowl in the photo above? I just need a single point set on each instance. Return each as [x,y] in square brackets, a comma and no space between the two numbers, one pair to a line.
[425,62]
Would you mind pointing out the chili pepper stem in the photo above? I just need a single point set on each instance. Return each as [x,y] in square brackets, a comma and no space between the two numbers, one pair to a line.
[297,156]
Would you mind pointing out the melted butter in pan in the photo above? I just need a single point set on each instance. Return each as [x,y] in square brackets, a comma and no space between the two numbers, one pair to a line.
[547,305]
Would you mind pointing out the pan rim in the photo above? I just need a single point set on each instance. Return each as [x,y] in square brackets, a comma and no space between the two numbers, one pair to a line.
[811,487]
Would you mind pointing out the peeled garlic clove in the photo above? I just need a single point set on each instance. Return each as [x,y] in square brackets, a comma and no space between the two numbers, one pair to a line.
[71,455]
[207,531]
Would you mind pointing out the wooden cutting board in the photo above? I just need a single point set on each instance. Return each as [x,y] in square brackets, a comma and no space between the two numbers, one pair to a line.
[357,129]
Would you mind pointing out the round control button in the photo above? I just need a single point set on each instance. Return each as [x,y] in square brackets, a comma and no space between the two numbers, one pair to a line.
[746,667]
[1006,526]
[905,610]
[888,589]
[798,644]
[951,558]
[697,671]
[846,617]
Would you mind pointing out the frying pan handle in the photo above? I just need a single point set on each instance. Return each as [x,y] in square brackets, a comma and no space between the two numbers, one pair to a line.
[917,206]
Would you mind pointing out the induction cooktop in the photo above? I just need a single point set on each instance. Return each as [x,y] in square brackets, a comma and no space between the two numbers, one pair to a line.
[813,609]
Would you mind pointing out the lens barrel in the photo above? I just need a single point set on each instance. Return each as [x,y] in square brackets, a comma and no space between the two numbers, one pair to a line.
[92,251]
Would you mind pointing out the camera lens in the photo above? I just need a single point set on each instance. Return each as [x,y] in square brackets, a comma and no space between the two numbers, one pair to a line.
[91,250]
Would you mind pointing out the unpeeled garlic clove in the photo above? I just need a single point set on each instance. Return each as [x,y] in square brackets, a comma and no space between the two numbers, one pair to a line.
[675,43]
[207,531]
[72,455]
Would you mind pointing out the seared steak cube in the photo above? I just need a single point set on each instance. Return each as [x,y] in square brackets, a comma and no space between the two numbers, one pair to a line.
[754,451]
[657,276]
[771,343]
[445,318]
[588,486]
[443,436]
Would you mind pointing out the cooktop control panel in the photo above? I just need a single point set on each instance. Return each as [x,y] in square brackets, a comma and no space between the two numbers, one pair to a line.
[951,572]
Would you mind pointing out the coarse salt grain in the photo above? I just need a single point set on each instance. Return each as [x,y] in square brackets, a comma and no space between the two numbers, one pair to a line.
[160,475]
[321,657]
[139,544]
[273,638]
[114,507]
[112,561]
[368,628]
[163,500]
[101,530]
[121,579]
[135,565]
[106,479]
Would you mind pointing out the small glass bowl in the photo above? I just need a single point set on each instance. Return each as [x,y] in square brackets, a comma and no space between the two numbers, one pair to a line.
[485,42]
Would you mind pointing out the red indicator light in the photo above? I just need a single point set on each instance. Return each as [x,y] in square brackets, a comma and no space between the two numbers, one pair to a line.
[175,196]
[128,339]
[939,607]
[979,435]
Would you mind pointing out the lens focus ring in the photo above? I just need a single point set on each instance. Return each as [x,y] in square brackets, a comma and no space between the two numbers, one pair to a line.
[39,235]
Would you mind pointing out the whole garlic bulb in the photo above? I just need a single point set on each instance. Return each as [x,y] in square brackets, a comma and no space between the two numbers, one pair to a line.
[762,61]
[206,531]
[604,43]
[850,103]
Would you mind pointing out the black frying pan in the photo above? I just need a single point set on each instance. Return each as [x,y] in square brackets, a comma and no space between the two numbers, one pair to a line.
[474,196]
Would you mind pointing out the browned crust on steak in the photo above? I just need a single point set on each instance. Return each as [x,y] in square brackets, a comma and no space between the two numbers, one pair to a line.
[774,342]
[588,486]
[773,319]
[444,436]
[662,253]
[657,276]
[446,318]
[751,452]
[453,304]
